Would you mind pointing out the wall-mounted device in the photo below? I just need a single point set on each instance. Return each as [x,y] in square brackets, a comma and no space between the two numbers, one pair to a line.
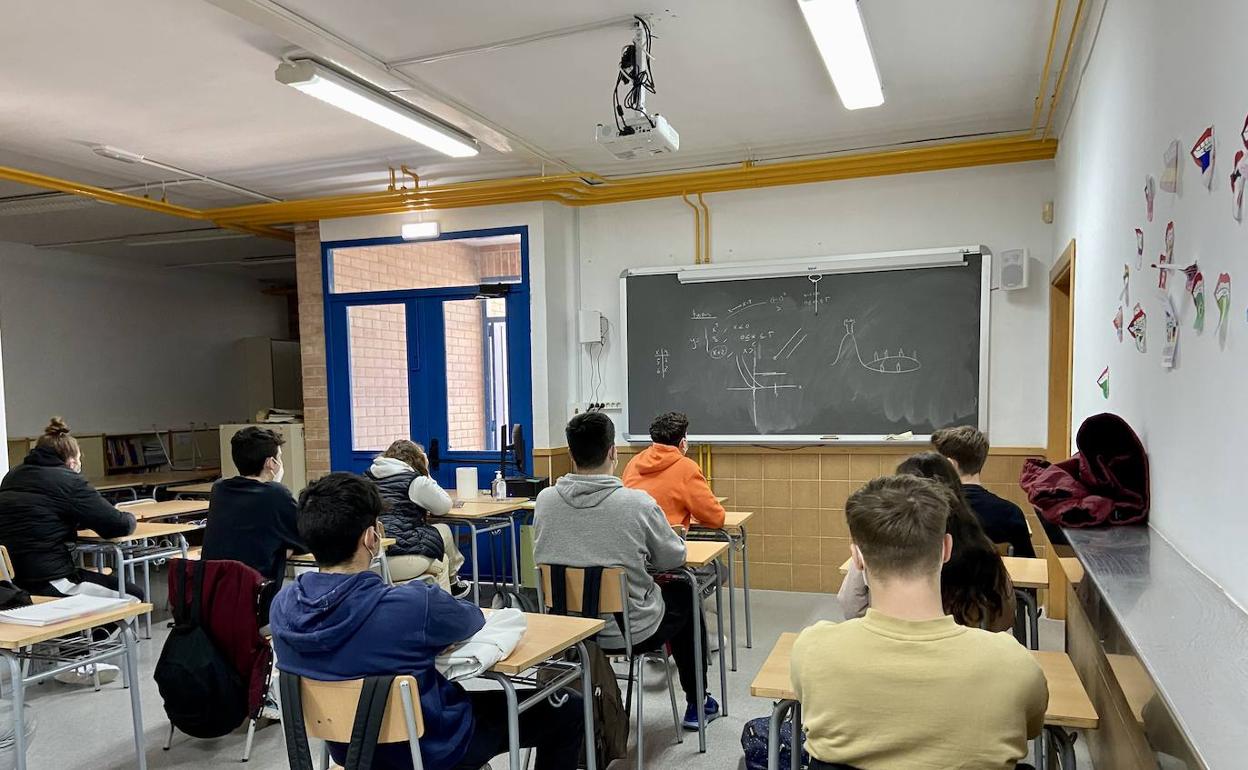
[590,326]
[1011,268]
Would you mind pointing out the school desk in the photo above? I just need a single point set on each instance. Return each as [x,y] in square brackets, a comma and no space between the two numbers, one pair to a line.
[18,647]
[200,489]
[307,560]
[733,533]
[703,553]
[541,647]
[168,509]
[150,541]
[133,481]
[485,515]
[1069,705]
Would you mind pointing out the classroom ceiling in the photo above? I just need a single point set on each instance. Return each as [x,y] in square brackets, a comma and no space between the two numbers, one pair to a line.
[191,84]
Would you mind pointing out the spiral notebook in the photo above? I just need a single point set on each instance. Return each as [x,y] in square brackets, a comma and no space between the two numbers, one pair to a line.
[61,610]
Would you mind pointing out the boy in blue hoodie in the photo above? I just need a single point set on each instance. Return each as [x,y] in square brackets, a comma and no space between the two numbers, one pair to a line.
[344,622]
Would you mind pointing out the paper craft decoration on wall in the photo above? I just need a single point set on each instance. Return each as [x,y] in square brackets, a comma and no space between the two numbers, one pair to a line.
[1196,287]
[1170,168]
[1103,381]
[1125,295]
[1202,155]
[1172,335]
[1118,323]
[1150,192]
[1222,296]
[1138,327]
[1237,185]
[1166,257]
[1139,248]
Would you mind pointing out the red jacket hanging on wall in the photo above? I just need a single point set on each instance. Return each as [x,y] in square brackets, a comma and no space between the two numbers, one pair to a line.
[1106,482]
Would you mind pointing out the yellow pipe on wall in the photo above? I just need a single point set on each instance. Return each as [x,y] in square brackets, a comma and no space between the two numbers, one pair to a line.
[706,244]
[1061,75]
[697,229]
[1048,64]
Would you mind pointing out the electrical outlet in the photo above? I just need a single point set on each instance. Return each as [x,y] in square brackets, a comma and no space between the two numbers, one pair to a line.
[584,406]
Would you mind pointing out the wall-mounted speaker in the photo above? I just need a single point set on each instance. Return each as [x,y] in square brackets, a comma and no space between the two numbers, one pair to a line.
[1012,269]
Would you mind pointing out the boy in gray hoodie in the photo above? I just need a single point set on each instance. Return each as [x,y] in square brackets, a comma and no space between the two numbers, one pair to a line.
[590,519]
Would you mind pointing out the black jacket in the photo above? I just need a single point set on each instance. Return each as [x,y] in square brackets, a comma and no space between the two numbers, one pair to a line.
[405,520]
[43,504]
[254,522]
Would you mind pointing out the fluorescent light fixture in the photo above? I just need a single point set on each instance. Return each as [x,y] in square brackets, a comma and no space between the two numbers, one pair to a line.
[420,231]
[374,105]
[837,28]
[849,263]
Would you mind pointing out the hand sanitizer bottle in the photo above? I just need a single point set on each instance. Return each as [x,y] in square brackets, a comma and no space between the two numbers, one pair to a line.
[498,488]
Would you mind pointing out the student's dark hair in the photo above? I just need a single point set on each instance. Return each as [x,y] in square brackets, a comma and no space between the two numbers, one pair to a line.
[56,437]
[411,453]
[669,428]
[334,511]
[974,584]
[590,437]
[251,446]
[965,445]
[898,522]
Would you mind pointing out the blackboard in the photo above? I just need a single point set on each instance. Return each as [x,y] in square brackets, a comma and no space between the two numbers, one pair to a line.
[858,356]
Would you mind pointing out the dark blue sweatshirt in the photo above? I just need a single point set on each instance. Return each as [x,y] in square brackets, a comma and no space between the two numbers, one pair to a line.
[333,627]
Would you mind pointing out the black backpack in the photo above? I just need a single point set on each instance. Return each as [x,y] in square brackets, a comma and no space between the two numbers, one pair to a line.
[204,696]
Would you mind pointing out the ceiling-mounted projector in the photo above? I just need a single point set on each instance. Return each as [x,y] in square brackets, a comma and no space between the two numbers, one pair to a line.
[636,133]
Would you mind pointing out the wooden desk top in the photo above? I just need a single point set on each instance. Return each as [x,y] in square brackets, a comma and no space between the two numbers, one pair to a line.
[14,636]
[166,509]
[845,566]
[143,529]
[736,519]
[699,553]
[721,500]
[1069,705]
[546,636]
[202,488]
[1024,573]
[1135,682]
[1073,568]
[128,480]
[1027,573]
[485,508]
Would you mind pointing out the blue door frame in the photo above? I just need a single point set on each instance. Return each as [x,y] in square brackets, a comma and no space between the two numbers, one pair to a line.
[426,359]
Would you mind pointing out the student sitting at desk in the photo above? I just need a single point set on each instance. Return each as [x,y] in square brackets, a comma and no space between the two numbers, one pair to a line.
[967,449]
[343,622]
[893,688]
[974,583]
[251,517]
[402,475]
[43,503]
[674,481]
[590,519]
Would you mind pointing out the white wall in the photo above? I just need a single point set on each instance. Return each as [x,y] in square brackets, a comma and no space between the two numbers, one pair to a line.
[998,206]
[1162,71]
[116,347]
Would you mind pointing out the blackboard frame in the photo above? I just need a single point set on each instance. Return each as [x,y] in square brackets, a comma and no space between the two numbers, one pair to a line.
[887,261]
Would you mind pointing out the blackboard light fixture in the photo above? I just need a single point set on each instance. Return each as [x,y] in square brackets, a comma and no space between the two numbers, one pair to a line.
[847,263]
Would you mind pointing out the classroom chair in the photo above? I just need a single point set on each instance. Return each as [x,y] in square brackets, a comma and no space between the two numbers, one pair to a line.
[577,595]
[328,711]
[6,564]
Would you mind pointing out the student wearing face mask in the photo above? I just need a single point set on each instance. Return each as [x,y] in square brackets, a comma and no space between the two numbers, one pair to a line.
[251,517]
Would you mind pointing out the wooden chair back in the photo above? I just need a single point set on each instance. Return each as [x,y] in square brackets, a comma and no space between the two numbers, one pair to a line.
[611,598]
[6,564]
[329,710]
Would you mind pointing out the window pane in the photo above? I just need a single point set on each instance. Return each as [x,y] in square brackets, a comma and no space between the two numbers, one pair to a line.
[426,264]
[377,348]
[476,373]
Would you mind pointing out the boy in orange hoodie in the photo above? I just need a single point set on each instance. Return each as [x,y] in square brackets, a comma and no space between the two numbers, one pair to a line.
[674,481]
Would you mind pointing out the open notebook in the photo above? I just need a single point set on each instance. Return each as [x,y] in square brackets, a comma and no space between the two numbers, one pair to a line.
[61,610]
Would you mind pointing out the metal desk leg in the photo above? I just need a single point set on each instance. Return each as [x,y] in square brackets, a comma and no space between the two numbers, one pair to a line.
[19,702]
[512,527]
[1063,743]
[136,706]
[745,578]
[587,703]
[1033,616]
[719,621]
[773,732]
[476,567]
[732,602]
[795,747]
[513,721]
[699,673]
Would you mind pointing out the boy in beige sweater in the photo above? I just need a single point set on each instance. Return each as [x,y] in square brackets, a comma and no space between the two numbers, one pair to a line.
[905,686]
